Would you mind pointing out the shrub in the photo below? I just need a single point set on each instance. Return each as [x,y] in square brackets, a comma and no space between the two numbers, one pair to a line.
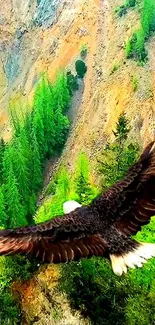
[148,17]
[131,3]
[81,68]
[135,83]
[72,82]
[121,10]
[115,67]
[84,51]
[135,47]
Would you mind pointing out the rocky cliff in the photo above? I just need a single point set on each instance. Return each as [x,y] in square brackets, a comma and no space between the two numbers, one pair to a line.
[109,85]
[38,36]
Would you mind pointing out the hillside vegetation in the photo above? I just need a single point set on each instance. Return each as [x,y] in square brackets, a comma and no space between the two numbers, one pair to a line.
[114,59]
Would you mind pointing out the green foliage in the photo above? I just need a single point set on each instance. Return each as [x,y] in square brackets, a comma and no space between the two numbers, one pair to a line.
[148,17]
[135,83]
[122,129]
[54,205]
[81,68]
[62,188]
[121,10]
[72,82]
[128,48]
[84,190]
[2,149]
[84,51]
[37,135]
[115,67]
[115,161]
[14,208]
[90,285]
[35,168]
[60,93]
[118,156]
[135,46]
[3,216]
[12,269]
[130,3]
[61,128]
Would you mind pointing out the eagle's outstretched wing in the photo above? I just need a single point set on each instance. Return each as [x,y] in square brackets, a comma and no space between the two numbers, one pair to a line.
[130,203]
[61,239]
[103,228]
[125,208]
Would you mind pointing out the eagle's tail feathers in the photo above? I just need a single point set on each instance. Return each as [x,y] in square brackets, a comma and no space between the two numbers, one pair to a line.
[136,257]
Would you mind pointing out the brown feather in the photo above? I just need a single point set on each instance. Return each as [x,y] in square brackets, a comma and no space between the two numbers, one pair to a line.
[98,229]
[137,193]
[58,240]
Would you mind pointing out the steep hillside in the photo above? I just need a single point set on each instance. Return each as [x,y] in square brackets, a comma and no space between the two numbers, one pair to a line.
[109,88]
[37,37]
[34,40]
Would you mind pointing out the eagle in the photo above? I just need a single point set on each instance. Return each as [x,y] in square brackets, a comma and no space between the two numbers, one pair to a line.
[103,228]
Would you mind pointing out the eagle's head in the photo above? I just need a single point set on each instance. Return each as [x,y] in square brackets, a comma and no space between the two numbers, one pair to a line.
[70,206]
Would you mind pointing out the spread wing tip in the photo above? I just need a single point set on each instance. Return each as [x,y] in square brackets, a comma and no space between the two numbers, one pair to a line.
[150,148]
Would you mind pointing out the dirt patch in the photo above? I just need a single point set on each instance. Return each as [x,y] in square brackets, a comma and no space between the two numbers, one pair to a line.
[107,94]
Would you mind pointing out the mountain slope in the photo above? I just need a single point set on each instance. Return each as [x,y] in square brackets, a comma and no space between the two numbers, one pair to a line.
[35,40]
[109,86]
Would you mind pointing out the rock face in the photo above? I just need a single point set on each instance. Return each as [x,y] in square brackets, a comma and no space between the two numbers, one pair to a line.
[17,45]
[46,12]
[45,36]
[38,36]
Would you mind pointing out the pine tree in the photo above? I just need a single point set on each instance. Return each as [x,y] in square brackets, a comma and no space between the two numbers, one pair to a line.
[3,216]
[49,123]
[122,129]
[18,116]
[36,169]
[45,98]
[2,149]
[72,83]
[118,156]
[38,128]
[61,128]
[63,184]
[83,188]
[61,96]
[21,170]
[14,209]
